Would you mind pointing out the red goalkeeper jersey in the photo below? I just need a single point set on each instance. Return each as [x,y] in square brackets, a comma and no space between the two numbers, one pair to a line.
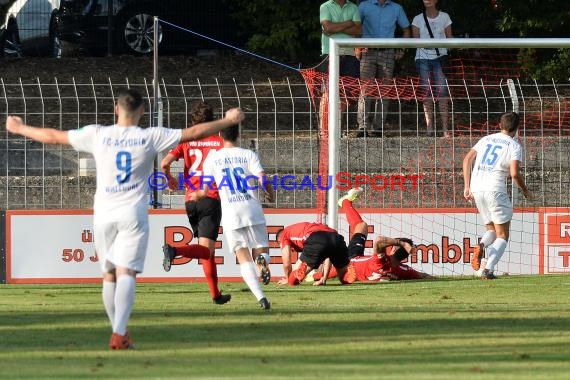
[194,154]
[373,268]
[296,234]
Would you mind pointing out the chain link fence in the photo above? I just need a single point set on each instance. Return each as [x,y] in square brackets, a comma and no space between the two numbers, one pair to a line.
[282,125]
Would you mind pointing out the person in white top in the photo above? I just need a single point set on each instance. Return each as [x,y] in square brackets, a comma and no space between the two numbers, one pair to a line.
[494,158]
[237,172]
[430,63]
[124,155]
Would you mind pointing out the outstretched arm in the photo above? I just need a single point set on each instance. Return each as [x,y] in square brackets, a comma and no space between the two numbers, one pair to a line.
[199,131]
[15,124]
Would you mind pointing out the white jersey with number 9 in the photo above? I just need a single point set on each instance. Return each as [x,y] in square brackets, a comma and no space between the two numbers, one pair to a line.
[123,159]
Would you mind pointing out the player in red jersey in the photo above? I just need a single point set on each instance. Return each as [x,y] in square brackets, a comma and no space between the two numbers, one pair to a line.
[205,214]
[320,244]
[386,263]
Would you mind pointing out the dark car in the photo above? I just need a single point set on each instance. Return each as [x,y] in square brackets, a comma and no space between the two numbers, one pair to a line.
[87,22]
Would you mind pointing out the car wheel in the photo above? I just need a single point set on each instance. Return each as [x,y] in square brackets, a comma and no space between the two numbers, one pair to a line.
[136,33]
[10,44]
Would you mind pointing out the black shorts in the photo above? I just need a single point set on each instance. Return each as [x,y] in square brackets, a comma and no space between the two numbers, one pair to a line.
[205,217]
[321,245]
[356,245]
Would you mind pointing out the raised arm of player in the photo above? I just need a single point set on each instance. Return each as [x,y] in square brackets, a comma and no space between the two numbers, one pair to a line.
[199,131]
[467,165]
[15,124]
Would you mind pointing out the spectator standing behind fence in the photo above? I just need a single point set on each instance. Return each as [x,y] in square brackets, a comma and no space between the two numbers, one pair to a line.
[379,20]
[433,23]
[494,158]
[341,19]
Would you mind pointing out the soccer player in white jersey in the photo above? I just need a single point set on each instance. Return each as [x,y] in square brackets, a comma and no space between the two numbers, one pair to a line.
[237,172]
[124,155]
[496,157]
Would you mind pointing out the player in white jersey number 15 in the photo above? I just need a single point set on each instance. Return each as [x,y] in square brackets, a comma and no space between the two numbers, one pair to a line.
[494,158]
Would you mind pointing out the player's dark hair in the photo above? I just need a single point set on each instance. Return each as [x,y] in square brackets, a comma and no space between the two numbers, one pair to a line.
[129,100]
[230,133]
[509,121]
[201,112]
[401,254]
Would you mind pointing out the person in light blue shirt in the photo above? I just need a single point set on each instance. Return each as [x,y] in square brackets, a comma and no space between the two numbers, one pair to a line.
[340,19]
[379,20]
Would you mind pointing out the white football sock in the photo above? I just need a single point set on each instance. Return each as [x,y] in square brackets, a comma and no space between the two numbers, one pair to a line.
[495,253]
[108,294]
[124,300]
[488,238]
[249,275]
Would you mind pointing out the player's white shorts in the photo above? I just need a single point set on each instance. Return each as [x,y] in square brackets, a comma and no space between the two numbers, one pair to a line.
[247,237]
[121,244]
[494,206]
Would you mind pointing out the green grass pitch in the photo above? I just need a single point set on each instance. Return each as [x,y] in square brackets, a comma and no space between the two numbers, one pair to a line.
[516,327]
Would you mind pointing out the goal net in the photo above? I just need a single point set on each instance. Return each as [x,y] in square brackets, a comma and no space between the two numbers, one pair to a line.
[413,180]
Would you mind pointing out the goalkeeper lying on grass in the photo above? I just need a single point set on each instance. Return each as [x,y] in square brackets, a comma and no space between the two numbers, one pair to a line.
[318,244]
[385,264]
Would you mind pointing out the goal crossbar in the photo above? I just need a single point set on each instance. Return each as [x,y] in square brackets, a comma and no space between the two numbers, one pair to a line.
[333,87]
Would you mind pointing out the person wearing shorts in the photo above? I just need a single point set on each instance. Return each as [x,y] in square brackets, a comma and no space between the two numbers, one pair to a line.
[204,214]
[493,159]
[320,244]
[234,170]
[124,155]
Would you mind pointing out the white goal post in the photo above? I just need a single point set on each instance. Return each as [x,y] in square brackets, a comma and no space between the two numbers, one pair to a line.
[333,90]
